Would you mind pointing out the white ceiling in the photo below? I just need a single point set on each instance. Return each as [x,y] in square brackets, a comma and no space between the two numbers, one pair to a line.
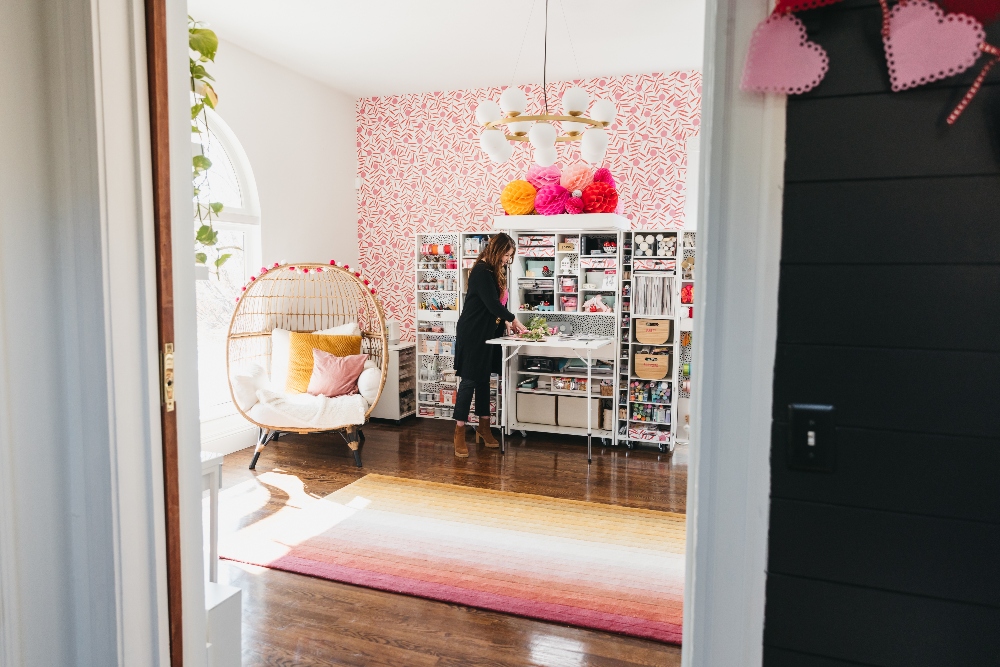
[380,47]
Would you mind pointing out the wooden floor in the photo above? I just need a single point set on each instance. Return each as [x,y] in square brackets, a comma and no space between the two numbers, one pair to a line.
[290,619]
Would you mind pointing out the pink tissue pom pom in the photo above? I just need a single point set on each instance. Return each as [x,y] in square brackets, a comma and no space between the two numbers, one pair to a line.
[305,270]
[346,267]
[253,278]
[357,274]
[603,175]
[243,289]
[291,268]
[577,177]
[263,269]
[551,200]
[542,176]
[276,265]
[319,269]
[574,205]
[333,262]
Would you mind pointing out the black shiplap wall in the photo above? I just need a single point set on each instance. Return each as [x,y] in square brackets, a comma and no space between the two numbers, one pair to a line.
[889,309]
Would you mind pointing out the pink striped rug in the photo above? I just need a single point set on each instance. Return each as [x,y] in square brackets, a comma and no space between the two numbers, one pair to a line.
[597,566]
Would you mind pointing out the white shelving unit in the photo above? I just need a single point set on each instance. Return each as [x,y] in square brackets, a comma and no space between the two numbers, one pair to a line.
[399,394]
[436,287]
[555,271]
[578,265]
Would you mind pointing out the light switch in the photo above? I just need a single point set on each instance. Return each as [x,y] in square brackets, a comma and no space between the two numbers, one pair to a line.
[812,437]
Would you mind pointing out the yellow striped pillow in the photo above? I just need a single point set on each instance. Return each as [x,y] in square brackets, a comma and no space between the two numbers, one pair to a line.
[300,355]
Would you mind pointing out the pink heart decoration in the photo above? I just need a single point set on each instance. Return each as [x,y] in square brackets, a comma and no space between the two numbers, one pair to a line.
[781,59]
[924,44]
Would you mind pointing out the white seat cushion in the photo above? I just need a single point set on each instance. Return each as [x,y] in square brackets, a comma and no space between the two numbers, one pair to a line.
[246,382]
[307,411]
[369,382]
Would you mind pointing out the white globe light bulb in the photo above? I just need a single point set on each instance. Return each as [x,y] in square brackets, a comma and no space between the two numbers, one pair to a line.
[595,140]
[604,111]
[542,135]
[513,102]
[545,157]
[502,154]
[492,141]
[569,127]
[575,101]
[519,129]
[487,112]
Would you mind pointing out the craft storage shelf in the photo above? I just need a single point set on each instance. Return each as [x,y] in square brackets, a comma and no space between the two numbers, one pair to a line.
[570,276]
[649,349]
[561,264]
[437,263]
[401,381]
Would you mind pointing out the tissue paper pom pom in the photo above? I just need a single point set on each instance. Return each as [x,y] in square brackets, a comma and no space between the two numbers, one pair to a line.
[518,198]
[574,205]
[551,200]
[542,176]
[577,177]
[599,198]
[603,175]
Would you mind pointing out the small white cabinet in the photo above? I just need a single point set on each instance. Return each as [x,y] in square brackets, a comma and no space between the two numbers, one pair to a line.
[398,399]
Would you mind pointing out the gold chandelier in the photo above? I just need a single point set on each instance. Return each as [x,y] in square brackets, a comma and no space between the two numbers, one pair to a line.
[538,129]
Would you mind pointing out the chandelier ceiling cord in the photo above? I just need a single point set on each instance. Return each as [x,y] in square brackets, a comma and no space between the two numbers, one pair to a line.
[538,129]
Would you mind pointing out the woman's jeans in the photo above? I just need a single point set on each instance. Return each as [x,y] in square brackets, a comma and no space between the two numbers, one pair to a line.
[469,386]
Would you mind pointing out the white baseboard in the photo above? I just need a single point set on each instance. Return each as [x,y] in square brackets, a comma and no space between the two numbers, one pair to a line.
[227,435]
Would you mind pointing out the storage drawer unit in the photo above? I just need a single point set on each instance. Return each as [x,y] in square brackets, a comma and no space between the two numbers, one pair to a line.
[536,409]
[572,411]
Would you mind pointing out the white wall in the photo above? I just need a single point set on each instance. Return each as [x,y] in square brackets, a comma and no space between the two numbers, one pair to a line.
[299,136]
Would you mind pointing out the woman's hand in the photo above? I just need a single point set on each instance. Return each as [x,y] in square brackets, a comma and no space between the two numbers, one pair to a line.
[518,327]
[509,327]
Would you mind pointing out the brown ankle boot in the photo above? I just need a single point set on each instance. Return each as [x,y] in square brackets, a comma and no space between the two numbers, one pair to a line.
[461,451]
[484,433]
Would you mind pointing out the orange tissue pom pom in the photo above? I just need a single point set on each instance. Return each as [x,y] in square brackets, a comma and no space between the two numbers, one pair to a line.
[518,198]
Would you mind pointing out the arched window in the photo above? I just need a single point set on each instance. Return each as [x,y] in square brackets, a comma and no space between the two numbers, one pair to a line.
[230,182]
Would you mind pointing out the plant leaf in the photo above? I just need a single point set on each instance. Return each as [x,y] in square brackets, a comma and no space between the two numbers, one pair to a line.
[200,258]
[216,207]
[204,41]
[194,129]
[201,162]
[206,235]
[196,109]
[222,260]
[211,98]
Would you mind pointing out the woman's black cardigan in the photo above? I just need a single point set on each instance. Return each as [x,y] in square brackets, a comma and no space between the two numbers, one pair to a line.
[482,318]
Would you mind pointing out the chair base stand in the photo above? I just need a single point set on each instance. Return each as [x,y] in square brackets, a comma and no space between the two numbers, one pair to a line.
[253,463]
[263,437]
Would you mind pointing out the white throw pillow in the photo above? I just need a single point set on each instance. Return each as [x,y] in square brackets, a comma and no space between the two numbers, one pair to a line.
[349,329]
[368,384]
[281,341]
[246,382]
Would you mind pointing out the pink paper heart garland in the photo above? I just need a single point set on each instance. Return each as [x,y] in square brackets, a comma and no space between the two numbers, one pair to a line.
[923,44]
[781,59]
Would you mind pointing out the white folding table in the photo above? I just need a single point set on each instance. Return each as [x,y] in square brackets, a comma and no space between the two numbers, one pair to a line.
[511,345]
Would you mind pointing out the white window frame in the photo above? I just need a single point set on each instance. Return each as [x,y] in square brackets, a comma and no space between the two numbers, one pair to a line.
[245,219]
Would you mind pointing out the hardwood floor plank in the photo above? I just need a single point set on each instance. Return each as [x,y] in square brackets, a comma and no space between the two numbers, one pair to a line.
[291,619]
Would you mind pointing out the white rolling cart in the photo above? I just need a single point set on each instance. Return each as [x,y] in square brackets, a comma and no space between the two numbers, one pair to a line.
[511,345]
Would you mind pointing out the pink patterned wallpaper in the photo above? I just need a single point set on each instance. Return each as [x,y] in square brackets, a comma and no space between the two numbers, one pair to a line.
[422,169]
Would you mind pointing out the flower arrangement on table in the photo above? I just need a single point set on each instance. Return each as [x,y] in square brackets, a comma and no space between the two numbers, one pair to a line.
[537,329]
[553,191]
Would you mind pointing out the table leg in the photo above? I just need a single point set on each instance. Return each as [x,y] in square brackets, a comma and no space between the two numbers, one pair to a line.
[213,524]
[590,402]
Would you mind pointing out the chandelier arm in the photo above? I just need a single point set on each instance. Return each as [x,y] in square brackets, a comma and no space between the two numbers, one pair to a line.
[519,119]
[562,138]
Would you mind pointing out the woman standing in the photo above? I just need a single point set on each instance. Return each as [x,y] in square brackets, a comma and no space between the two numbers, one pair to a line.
[484,316]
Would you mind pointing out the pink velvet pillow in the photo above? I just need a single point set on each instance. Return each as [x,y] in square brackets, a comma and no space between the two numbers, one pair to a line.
[335,376]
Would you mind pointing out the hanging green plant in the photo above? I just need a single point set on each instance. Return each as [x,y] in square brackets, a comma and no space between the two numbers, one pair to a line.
[203,44]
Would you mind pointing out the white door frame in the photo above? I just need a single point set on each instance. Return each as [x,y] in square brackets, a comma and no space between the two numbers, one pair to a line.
[736,309]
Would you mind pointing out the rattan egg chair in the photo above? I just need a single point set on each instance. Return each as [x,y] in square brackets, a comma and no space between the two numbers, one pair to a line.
[304,298]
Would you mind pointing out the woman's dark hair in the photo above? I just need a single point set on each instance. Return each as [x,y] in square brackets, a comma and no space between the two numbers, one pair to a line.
[492,255]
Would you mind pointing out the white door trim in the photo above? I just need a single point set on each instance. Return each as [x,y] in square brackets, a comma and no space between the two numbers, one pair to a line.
[739,249]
